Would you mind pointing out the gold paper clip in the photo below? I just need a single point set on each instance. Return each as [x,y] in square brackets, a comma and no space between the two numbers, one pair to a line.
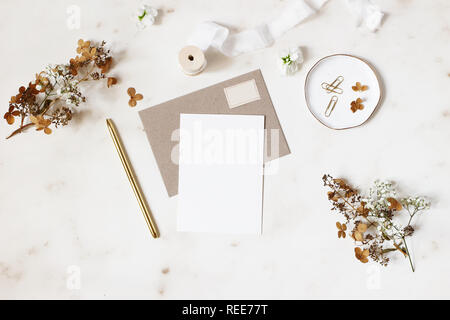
[330,89]
[331,105]
[334,86]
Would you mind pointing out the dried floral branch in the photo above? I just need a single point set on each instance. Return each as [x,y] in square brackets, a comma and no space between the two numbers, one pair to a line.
[372,220]
[134,97]
[51,97]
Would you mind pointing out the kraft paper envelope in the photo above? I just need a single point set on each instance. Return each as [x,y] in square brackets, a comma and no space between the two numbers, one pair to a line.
[245,94]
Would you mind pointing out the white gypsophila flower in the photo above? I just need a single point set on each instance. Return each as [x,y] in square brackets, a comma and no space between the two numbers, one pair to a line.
[378,195]
[145,16]
[290,61]
[419,203]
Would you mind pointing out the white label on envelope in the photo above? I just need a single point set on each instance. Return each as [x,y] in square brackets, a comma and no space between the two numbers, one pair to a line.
[242,93]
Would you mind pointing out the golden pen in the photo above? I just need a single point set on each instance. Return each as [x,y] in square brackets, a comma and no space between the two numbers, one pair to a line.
[132,178]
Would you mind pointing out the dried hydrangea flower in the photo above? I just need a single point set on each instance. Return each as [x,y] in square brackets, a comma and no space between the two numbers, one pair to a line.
[82,45]
[362,255]
[359,87]
[373,219]
[356,105]
[41,123]
[341,229]
[9,116]
[134,97]
[50,97]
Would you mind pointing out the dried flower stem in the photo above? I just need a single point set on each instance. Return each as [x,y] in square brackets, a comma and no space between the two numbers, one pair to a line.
[51,97]
[409,255]
[23,127]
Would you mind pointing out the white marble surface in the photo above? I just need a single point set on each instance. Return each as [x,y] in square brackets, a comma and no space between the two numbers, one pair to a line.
[65,200]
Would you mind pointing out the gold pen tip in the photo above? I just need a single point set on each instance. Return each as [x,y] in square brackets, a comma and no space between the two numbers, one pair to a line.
[109,124]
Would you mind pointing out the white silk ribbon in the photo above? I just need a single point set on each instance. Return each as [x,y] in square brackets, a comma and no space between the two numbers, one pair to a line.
[210,34]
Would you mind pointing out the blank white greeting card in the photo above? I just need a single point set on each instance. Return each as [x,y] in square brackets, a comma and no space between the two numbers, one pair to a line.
[220,173]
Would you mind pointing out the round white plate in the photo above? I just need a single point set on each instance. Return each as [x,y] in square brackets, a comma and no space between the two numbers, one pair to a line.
[353,70]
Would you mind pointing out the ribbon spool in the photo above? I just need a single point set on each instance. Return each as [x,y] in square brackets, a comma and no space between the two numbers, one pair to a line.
[192,60]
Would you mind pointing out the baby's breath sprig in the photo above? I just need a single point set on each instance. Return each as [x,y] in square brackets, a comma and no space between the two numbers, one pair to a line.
[51,97]
[372,220]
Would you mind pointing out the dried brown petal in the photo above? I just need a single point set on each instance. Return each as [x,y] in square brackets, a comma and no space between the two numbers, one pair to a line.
[362,227]
[394,204]
[349,193]
[132,103]
[356,105]
[131,92]
[105,65]
[362,210]
[358,236]
[9,118]
[340,182]
[342,228]
[111,81]
[359,87]
[362,255]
